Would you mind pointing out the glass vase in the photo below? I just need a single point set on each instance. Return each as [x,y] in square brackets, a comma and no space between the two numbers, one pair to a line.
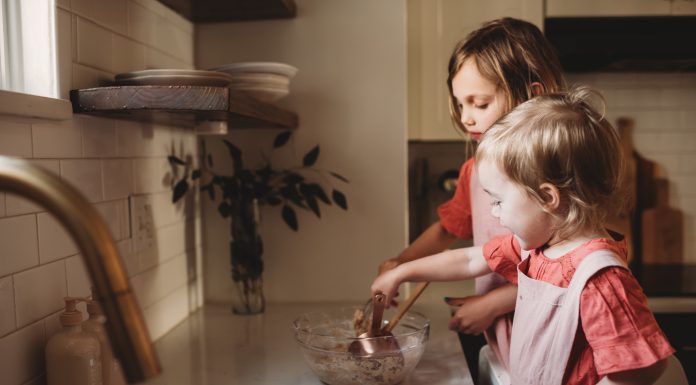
[246,251]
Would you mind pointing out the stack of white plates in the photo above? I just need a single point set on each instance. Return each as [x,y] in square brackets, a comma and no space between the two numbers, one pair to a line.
[265,81]
[173,77]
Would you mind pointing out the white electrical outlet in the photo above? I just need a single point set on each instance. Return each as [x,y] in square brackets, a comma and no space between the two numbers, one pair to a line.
[142,222]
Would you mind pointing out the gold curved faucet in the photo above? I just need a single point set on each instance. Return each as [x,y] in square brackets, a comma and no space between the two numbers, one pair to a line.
[125,325]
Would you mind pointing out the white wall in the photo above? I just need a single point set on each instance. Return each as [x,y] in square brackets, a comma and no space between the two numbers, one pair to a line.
[110,161]
[350,95]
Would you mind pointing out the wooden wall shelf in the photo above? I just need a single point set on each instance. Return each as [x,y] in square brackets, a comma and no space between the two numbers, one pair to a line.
[210,11]
[181,105]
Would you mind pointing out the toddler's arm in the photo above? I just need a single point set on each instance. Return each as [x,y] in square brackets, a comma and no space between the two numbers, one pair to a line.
[450,265]
[642,376]
[477,312]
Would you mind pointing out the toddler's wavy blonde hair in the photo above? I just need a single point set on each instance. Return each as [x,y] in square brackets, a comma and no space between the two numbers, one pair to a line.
[561,139]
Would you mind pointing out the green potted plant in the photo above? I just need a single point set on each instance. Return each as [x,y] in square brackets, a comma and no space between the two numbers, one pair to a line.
[240,195]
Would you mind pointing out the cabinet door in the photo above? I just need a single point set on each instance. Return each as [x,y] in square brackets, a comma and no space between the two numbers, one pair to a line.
[434,28]
[585,8]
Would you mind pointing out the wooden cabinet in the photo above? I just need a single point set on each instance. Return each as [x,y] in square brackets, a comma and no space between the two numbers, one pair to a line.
[434,28]
[588,8]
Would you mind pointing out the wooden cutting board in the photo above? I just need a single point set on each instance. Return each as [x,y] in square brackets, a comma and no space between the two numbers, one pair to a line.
[624,223]
[662,230]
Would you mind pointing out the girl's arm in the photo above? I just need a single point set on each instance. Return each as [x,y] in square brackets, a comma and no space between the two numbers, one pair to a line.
[433,240]
[450,265]
[477,312]
[642,376]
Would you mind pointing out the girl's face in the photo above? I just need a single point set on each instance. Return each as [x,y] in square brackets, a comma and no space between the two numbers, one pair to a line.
[480,102]
[514,208]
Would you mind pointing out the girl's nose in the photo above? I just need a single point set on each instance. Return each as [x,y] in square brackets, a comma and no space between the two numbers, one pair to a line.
[467,121]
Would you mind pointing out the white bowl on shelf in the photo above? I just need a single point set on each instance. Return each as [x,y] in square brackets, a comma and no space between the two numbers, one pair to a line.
[264,81]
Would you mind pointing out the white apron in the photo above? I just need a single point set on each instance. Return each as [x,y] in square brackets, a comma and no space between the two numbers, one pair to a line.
[485,227]
[546,322]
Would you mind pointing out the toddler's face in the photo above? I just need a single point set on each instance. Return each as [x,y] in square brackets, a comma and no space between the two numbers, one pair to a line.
[480,102]
[514,208]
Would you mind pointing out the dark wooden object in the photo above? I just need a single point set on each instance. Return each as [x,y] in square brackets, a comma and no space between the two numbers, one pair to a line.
[207,11]
[181,105]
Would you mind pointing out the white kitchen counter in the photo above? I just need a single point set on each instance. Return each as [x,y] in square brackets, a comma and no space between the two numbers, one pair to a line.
[215,347]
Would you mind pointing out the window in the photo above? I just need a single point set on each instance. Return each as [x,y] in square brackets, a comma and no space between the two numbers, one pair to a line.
[28,47]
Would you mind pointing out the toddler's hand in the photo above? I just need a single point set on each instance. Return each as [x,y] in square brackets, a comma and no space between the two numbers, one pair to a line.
[472,316]
[387,284]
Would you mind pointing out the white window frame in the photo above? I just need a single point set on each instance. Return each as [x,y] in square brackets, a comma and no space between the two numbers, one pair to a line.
[28,60]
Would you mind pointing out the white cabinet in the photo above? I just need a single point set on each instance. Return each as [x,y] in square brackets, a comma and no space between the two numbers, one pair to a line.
[588,8]
[434,27]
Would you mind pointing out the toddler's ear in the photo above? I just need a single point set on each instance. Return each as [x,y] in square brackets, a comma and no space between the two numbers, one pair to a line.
[551,196]
[537,88]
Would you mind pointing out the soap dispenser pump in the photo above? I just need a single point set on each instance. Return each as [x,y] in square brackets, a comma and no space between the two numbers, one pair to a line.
[73,357]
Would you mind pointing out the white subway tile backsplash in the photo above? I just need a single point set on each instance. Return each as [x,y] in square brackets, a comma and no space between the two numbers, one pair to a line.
[172,240]
[86,77]
[22,354]
[39,263]
[154,284]
[7,315]
[77,278]
[54,240]
[35,301]
[142,23]
[148,175]
[130,55]
[170,15]
[112,214]
[15,139]
[98,136]
[18,239]
[85,175]
[94,45]
[118,178]
[64,41]
[57,140]
[108,13]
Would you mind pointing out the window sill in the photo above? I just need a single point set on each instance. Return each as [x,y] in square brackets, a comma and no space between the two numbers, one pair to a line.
[32,106]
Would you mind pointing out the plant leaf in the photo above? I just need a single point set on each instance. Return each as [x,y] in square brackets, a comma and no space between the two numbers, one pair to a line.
[273,200]
[281,139]
[173,160]
[289,217]
[195,174]
[339,176]
[340,199]
[224,209]
[311,157]
[211,193]
[318,192]
[235,154]
[308,193]
[179,190]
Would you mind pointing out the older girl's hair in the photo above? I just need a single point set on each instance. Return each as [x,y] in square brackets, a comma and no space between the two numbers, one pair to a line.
[512,54]
[561,139]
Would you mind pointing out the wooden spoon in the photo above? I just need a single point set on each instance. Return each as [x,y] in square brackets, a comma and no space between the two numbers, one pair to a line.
[404,308]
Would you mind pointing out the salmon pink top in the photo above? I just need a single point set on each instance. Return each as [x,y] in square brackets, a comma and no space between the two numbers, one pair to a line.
[455,214]
[617,332]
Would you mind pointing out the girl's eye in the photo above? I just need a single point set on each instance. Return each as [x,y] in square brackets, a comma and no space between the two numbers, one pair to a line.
[495,203]
[482,106]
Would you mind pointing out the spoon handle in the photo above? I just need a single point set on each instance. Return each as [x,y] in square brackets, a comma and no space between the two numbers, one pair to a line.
[407,305]
[378,302]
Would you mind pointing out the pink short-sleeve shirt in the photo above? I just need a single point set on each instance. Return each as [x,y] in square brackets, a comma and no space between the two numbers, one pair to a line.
[618,331]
